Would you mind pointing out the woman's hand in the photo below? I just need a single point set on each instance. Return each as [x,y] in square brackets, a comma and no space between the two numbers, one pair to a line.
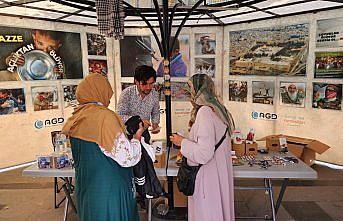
[176,139]
[138,134]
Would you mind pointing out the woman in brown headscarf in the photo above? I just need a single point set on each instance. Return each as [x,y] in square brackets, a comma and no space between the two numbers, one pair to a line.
[102,154]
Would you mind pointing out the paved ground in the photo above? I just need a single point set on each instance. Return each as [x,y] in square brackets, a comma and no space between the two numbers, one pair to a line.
[31,199]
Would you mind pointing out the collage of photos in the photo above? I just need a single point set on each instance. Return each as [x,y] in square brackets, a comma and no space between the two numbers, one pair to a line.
[44,98]
[238,91]
[12,101]
[69,95]
[273,51]
[96,45]
[205,53]
[180,56]
[329,65]
[263,92]
[292,94]
[41,55]
[327,96]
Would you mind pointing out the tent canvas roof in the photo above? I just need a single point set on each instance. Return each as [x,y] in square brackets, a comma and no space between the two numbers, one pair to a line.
[82,11]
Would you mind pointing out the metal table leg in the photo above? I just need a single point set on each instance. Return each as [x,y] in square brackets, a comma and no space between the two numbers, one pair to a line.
[66,206]
[282,192]
[67,190]
[271,196]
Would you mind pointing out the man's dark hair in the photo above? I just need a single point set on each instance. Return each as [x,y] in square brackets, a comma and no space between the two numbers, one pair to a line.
[52,34]
[176,45]
[143,73]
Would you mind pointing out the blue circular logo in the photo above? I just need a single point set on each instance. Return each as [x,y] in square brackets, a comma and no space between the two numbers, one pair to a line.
[254,115]
[39,124]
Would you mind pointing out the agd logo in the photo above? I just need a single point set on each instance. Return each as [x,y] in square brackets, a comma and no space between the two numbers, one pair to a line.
[39,124]
[263,115]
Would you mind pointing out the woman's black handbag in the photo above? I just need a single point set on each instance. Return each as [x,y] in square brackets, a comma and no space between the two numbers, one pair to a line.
[186,175]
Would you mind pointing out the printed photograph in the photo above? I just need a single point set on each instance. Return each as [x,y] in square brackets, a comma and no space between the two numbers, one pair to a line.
[205,66]
[135,51]
[327,96]
[292,94]
[40,55]
[125,85]
[273,51]
[263,92]
[96,44]
[12,101]
[205,44]
[330,33]
[44,98]
[97,66]
[178,92]
[179,62]
[69,94]
[238,91]
[329,65]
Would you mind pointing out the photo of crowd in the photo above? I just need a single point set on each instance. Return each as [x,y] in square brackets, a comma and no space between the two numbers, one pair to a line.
[12,101]
[327,96]
[292,94]
[44,98]
[263,92]
[238,91]
[205,66]
[329,65]
[96,44]
[69,94]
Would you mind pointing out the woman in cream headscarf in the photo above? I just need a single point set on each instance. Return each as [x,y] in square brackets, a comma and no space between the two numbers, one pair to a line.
[213,198]
[103,155]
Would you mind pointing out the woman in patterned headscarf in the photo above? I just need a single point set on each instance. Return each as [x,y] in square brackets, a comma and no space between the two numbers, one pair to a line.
[102,154]
[213,198]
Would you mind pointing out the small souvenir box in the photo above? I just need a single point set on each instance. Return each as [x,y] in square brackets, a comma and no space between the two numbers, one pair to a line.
[60,161]
[44,162]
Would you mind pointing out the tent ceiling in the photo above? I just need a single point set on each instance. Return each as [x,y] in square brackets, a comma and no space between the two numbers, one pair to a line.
[233,11]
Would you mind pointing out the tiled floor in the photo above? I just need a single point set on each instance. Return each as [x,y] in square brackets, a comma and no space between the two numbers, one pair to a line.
[31,199]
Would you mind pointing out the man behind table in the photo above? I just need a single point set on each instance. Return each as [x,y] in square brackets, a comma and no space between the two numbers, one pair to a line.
[141,99]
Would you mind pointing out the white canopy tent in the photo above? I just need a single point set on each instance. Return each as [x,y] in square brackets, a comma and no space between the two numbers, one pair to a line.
[225,13]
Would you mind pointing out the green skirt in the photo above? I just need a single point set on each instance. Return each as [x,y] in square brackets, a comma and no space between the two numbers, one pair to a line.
[104,190]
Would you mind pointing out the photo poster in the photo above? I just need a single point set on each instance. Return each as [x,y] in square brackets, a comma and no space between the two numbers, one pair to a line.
[273,51]
[44,98]
[292,94]
[330,33]
[327,96]
[205,66]
[238,91]
[178,92]
[96,44]
[97,67]
[263,92]
[180,58]
[12,101]
[329,65]
[135,51]
[69,95]
[205,44]
[34,54]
